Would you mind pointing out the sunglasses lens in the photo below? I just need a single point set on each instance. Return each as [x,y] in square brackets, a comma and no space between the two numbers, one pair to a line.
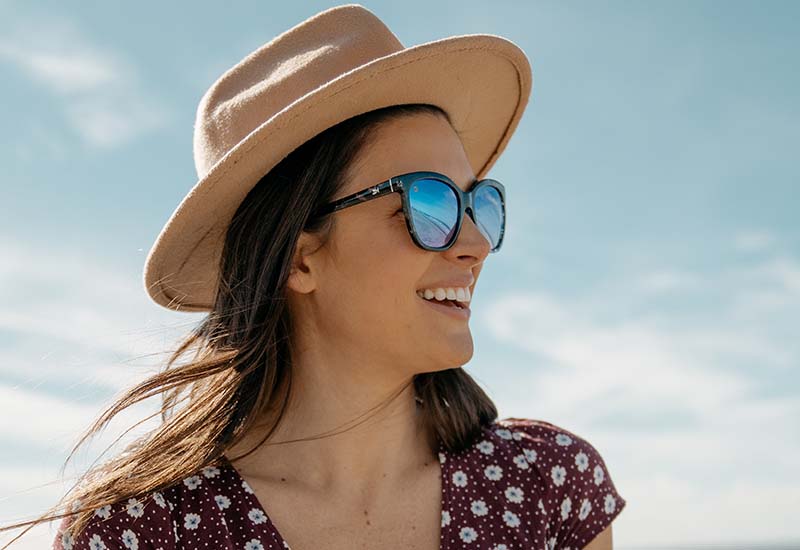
[490,213]
[434,211]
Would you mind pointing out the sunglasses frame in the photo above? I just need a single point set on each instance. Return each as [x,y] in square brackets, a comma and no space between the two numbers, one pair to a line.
[400,184]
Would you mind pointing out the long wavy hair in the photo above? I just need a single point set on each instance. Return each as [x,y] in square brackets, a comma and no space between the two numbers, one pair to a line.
[239,363]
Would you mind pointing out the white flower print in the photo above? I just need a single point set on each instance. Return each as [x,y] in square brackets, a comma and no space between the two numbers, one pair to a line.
[500,547]
[516,436]
[103,512]
[541,507]
[445,517]
[66,540]
[159,498]
[511,519]
[563,439]
[598,474]
[581,461]
[191,521]
[530,455]
[135,508]
[257,516]
[193,482]
[468,534]
[222,501]
[566,507]
[559,474]
[246,487]
[96,543]
[514,494]
[551,543]
[175,529]
[130,540]
[171,506]
[586,507]
[479,508]
[460,479]
[223,522]
[610,503]
[442,458]
[210,471]
[505,434]
[521,463]
[486,447]
[493,472]
[253,544]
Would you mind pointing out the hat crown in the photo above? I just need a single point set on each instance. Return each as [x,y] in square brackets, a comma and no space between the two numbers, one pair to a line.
[300,60]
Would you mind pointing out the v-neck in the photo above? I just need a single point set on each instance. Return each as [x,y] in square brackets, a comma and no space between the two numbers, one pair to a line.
[442,458]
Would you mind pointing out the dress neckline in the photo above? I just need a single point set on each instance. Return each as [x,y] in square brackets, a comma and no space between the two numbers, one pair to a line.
[443,458]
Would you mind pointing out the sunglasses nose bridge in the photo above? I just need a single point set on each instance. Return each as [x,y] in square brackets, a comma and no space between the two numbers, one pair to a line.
[469,205]
[468,209]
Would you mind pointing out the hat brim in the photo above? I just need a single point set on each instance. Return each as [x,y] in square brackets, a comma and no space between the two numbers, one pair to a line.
[482,81]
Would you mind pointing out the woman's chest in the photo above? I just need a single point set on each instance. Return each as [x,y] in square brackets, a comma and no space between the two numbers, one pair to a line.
[403,529]
[409,519]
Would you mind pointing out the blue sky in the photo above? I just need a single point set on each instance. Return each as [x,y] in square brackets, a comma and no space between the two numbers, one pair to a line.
[647,296]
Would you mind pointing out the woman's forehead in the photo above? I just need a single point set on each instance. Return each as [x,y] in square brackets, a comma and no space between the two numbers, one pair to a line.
[412,144]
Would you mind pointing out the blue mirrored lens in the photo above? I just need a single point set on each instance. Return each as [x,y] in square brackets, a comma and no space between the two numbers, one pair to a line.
[489,213]
[434,211]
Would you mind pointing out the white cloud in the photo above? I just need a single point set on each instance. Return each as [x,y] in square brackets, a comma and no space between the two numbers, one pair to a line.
[76,326]
[68,70]
[102,97]
[70,326]
[667,280]
[31,484]
[754,240]
[678,400]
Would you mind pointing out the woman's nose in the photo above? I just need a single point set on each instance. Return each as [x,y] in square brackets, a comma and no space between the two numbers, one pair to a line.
[470,237]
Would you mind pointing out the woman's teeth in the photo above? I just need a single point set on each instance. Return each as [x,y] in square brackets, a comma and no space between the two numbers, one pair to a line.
[459,294]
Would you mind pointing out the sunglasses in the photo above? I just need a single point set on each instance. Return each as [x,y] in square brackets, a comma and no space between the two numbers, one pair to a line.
[434,207]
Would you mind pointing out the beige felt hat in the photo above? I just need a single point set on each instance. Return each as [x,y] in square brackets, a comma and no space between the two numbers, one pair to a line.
[337,64]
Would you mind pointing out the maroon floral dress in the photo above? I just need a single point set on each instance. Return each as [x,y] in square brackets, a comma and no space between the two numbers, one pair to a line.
[523,484]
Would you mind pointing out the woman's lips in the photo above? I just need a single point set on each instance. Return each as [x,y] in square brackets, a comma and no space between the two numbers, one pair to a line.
[453,311]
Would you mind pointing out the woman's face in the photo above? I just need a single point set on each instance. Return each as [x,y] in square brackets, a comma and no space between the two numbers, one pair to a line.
[357,294]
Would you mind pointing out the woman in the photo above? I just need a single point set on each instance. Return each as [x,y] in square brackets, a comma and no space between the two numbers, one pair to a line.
[336,242]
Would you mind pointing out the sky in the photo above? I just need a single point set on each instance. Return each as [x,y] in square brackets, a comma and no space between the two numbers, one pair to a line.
[646,298]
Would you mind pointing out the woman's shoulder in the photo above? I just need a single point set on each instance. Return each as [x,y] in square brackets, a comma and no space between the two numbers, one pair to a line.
[134,523]
[153,520]
[556,451]
[540,438]
[579,496]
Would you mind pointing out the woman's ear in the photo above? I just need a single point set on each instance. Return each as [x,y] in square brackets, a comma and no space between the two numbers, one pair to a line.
[305,268]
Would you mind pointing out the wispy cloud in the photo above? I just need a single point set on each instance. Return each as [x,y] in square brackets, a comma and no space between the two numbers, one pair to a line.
[667,280]
[74,334]
[44,430]
[100,91]
[754,240]
[693,401]
[73,320]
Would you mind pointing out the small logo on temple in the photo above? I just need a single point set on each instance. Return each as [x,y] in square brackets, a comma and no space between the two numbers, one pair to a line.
[374,190]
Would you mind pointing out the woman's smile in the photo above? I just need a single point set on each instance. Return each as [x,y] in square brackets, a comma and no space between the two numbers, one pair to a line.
[447,307]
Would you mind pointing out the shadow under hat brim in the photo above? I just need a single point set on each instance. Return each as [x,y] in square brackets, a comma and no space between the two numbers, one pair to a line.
[482,81]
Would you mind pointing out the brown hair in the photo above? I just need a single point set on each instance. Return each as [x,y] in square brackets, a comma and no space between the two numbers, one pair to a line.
[239,365]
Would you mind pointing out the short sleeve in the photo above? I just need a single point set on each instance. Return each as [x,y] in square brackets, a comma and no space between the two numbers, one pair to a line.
[581,498]
[94,536]
[135,524]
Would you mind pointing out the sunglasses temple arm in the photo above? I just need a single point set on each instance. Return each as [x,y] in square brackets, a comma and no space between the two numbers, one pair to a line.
[362,196]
